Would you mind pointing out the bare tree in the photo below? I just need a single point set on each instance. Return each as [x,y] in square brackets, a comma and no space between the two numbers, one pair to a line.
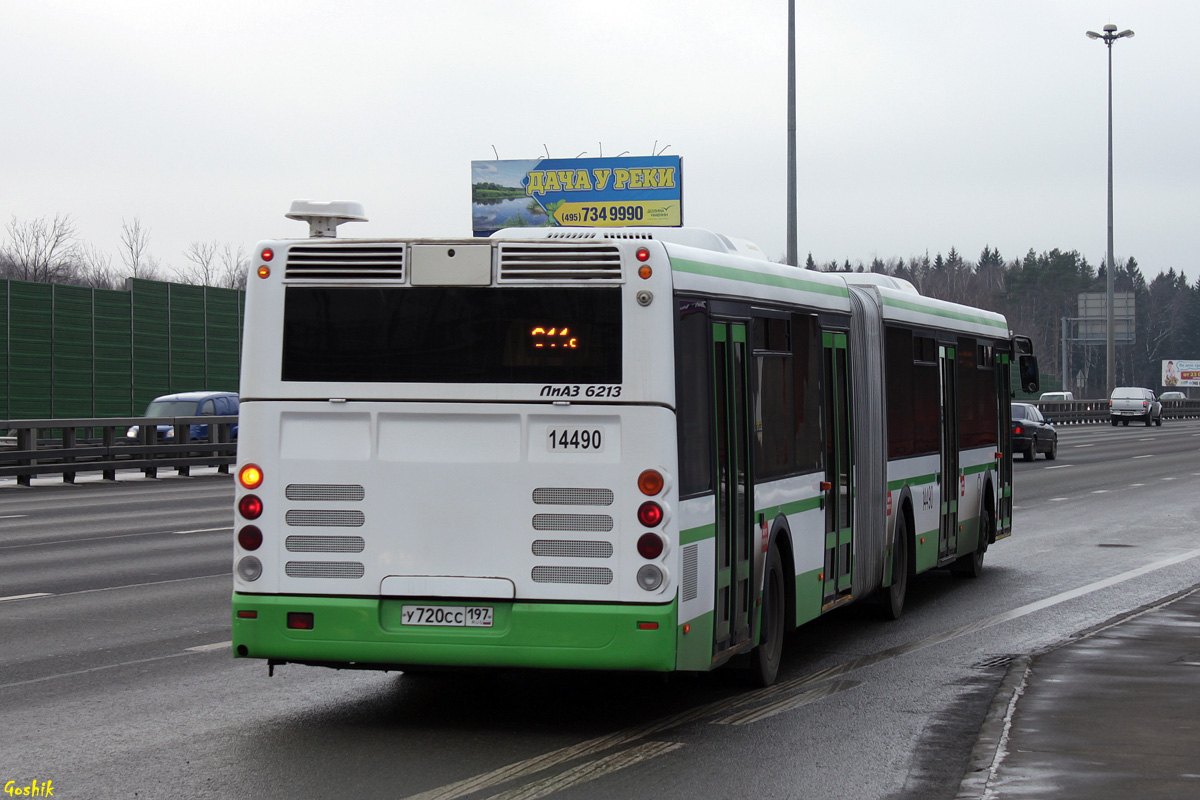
[95,269]
[135,251]
[41,250]
[201,269]
[235,266]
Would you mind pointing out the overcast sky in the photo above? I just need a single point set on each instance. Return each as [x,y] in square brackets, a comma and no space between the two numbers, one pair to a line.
[922,125]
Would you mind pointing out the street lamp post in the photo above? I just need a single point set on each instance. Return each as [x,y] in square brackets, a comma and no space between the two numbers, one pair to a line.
[792,255]
[1109,36]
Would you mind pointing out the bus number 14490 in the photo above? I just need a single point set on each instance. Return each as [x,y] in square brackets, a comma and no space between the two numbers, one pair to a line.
[560,440]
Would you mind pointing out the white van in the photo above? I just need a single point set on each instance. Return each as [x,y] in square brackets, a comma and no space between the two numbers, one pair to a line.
[1056,397]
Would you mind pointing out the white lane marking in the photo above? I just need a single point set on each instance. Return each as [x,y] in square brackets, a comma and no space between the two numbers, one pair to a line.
[1136,485]
[1100,491]
[1135,458]
[110,538]
[787,703]
[1060,466]
[13,516]
[25,596]
[629,735]
[589,771]
[204,648]
[141,585]
[1168,479]
[1084,445]
[1058,499]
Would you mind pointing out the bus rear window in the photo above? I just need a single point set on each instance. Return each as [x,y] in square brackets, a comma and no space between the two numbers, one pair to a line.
[452,335]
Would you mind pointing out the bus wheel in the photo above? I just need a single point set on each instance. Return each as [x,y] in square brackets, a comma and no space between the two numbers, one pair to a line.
[971,565]
[893,596]
[764,661]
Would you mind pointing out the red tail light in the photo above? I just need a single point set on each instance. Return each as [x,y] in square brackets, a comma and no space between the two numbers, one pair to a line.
[250,507]
[300,620]
[1016,429]
[250,538]
[650,545]
[650,514]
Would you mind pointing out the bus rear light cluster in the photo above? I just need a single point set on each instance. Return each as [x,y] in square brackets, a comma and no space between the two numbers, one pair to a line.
[250,537]
[651,545]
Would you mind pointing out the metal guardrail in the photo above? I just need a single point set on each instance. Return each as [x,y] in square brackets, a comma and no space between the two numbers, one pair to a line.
[1084,412]
[69,446]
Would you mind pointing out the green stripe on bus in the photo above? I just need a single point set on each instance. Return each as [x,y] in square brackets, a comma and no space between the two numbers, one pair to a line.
[763,279]
[918,480]
[962,316]
[980,468]
[787,509]
[697,534]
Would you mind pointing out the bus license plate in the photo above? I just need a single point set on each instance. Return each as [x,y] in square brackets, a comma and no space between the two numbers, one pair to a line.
[447,616]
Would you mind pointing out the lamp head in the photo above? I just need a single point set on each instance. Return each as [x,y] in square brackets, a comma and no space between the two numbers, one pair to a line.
[1093,35]
[1110,28]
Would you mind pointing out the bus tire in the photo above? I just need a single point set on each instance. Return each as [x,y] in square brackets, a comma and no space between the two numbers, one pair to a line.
[893,596]
[764,660]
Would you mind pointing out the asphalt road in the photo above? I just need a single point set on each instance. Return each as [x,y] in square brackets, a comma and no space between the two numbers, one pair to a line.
[116,679]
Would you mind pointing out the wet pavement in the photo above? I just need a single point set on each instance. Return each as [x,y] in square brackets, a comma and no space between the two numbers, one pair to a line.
[1111,713]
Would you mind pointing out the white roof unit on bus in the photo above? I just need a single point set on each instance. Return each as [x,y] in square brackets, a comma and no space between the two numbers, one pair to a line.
[692,237]
[876,279]
[323,217]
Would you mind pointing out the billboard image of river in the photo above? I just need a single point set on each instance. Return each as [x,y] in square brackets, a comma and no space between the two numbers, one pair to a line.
[586,192]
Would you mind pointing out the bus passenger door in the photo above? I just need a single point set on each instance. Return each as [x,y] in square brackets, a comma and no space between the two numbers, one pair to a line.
[731,371]
[837,486]
[949,483]
[1004,415]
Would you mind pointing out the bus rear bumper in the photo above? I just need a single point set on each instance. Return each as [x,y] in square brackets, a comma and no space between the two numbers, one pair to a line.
[366,632]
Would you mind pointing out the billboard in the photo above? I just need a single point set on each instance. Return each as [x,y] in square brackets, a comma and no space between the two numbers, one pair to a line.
[1181,373]
[587,192]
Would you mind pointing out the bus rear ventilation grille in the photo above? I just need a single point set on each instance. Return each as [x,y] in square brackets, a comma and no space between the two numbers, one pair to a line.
[323,569]
[546,263]
[601,576]
[691,572]
[572,522]
[325,544]
[346,262]
[319,519]
[573,497]
[319,491]
[566,548]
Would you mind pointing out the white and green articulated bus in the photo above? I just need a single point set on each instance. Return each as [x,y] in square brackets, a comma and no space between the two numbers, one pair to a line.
[635,449]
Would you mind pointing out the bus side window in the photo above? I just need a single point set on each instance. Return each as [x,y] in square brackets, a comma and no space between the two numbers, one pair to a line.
[806,394]
[693,398]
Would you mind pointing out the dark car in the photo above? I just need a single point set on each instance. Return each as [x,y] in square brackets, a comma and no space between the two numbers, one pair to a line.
[190,404]
[1032,434]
